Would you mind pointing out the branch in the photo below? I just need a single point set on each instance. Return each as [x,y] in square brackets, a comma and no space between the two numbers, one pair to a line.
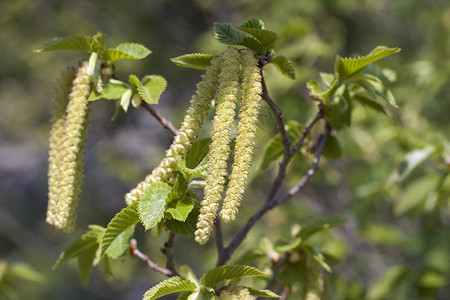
[271,201]
[135,251]
[219,240]
[169,256]
[163,121]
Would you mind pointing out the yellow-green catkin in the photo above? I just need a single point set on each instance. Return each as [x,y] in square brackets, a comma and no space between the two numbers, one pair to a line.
[60,100]
[235,293]
[246,133]
[72,150]
[194,119]
[220,144]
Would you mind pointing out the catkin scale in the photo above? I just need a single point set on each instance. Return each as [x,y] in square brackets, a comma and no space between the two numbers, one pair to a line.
[245,137]
[194,119]
[219,148]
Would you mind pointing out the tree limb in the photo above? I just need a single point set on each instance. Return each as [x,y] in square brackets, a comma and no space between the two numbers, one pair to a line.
[163,121]
[152,265]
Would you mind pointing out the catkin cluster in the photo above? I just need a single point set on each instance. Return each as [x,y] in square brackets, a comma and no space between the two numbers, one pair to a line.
[235,293]
[67,142]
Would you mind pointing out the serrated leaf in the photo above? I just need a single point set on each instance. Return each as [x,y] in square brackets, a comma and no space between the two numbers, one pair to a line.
[122,221]
[411,161]
[274,148]
[186,228]
[107,267]
[222,273]
[267,38]
[182,209]
[86,261]
[83,244]
[154,86]
[253,44]
[332,149]
[340,114]
[262,293]
[98,42]
[198,152]
[114,89]
[152,204]
[284,65]
[77,43]
[348,66]
[126,51]
[169,286]
[121,243]
[226,34]
[253,23]
[184,295]
[198,61]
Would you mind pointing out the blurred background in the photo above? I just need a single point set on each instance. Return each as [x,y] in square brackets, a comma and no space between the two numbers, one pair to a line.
[395,244]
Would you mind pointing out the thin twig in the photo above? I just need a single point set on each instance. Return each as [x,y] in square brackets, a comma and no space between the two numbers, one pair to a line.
[276,267]
[271,201]
[307,130]
[152,265]
[163,121]
[285,292]
[170,265]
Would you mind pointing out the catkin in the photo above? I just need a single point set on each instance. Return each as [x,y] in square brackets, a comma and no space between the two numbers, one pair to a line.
[235,293]
[72,151]
[60,100]
[219,148]
[246,133]
[194,119]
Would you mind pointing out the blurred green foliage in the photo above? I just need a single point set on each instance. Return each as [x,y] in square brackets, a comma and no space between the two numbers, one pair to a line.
[391,182]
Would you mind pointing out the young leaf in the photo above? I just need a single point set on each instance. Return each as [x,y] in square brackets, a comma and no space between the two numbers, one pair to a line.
[253,23]
[199,150]
[86,261]
[126,99]
[267,38]
[262,293]
[154,85]
[153,203]
[284,65]
[78,43]
[84,244]
[169,286]
[308,230]
[181,209]
[368,101]
[411,161]
[416,193]
[98,43]
[222,273]
[122,221]
[126,51]
[198,61]
[186,228]
[226,34]
[120,244]
[114,89]
[348,66]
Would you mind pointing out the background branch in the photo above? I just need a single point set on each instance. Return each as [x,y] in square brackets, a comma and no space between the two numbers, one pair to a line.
[170,265]
[152,265]
[163,121]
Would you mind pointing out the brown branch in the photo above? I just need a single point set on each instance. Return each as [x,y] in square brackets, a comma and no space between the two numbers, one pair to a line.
[286,291]
[219,239]
[271,201]
[276,267]
[169,256]
[163,121]
[135,251]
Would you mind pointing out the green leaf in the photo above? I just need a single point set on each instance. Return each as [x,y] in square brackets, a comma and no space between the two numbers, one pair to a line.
[310,229]
[182,209]
[415,194]
[222,273]
[121,222]
[348,66]
[226,34]
[253,23]
[98,43]
[332,149]
[22,271]
[126,51]
[186,228]
[284,65]
[184,295]
[198,152]
[331,83]
[114,89]
[262,293]
[368,101]
[84,244]
[125,100]
[153,85]
[267,38]
[169,286]
[411,161]
[77,43]
[198,61]
[152,204]
[86,261]
[121,243]
[274,148]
